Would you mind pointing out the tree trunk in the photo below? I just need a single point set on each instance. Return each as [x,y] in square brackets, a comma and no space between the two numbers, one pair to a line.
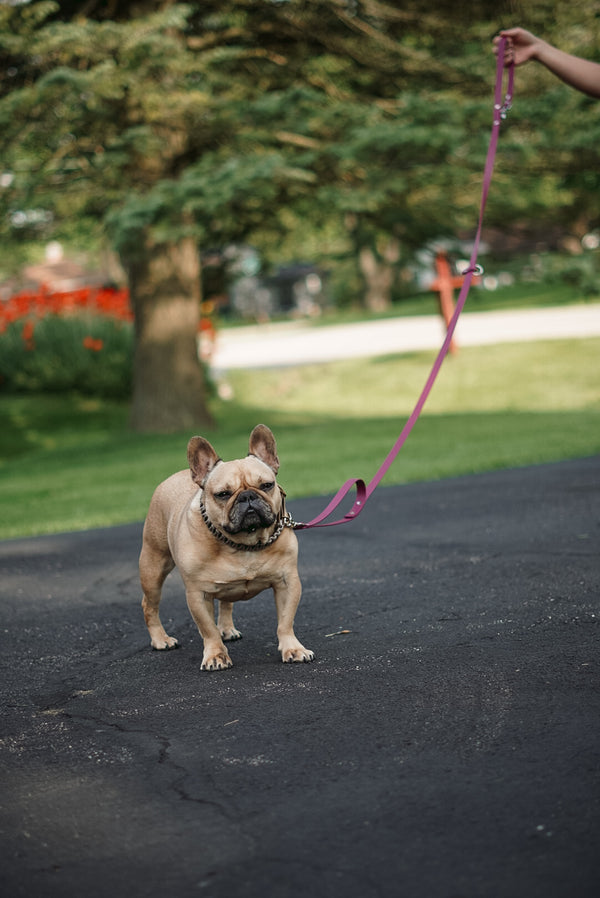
[169,388]
[379,272]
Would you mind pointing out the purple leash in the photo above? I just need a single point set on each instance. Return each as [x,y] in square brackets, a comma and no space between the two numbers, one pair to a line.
[364,491]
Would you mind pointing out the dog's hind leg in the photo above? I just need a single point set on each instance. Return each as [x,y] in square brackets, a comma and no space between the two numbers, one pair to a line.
[154,567]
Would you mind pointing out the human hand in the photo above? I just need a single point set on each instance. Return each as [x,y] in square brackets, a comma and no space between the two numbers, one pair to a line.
[521,45]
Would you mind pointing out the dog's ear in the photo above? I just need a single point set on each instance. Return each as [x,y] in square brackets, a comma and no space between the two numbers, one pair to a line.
[263,446]
[201,458]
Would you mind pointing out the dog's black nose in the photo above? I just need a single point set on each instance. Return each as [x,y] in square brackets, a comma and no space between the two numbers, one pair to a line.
[246,497]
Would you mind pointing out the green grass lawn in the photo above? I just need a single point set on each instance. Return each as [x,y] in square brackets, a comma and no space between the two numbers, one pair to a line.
[68,463]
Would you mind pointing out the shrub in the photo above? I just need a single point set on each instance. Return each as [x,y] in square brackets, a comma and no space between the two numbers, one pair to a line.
[86,353]
[80,340]
[579,271]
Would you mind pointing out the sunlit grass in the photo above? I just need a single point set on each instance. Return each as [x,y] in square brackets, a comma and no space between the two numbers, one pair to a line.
[69,463]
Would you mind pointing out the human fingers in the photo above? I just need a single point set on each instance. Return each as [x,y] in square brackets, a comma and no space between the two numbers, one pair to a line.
[508,47]
[521,45]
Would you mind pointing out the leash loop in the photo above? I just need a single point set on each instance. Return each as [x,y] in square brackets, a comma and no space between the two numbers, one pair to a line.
[359,503]
[502,106]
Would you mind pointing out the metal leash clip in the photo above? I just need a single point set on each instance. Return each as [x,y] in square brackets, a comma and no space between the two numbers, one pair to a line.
[503,109]
[477,270]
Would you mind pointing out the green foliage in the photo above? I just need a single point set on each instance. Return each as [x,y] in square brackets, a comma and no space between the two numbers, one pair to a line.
[581,272]
[240,121]
[252,107]
[88,355]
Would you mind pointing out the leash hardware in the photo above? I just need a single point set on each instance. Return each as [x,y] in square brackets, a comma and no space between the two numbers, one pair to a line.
[503,109]
[475,269]
[288,521]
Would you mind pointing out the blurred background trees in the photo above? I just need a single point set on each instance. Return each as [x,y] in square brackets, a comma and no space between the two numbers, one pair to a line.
[347,132]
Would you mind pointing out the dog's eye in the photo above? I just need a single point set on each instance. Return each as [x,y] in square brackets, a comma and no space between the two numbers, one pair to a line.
[267,487]
[223,495]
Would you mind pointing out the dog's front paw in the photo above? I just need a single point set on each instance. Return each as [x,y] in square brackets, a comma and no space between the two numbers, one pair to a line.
[164,643]
[229,634]
[299,653]
[218,661]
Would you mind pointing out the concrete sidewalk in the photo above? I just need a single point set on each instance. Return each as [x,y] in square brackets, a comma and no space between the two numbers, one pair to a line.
[299,343]
[445,742]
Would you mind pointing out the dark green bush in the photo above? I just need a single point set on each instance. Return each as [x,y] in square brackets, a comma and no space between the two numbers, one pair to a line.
[90,355]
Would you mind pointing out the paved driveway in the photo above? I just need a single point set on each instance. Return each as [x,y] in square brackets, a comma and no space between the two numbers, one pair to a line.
[444,743]
[293,343]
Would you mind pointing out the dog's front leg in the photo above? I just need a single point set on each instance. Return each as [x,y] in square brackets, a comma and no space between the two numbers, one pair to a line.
[202,609]
[287,596]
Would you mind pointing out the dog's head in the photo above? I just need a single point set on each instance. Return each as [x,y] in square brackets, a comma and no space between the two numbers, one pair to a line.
[240,496]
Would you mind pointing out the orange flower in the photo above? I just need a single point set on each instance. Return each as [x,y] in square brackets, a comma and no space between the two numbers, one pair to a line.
[108,301]
[94,345]
[27,335]
[27,332]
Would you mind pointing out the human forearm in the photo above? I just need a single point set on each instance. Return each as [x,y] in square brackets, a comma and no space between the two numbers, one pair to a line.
[522,46]
[581,74]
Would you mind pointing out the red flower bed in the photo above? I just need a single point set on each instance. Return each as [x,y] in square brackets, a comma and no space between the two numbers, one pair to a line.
[27,334]
[94,345]
[113,303]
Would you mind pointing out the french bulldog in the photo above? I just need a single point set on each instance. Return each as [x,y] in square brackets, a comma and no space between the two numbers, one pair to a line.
[224,525]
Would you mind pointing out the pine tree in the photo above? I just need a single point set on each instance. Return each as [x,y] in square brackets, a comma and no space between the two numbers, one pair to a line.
[179,125]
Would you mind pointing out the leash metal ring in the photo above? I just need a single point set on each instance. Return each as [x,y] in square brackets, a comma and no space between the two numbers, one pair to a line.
[477,269]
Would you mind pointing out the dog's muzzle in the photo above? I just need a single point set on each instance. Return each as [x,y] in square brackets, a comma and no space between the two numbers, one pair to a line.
[250,512]
[285,520]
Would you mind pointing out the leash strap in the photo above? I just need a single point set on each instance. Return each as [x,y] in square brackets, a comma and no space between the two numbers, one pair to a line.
[364,491]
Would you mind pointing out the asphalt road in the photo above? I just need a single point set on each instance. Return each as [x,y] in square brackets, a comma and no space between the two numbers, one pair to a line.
[445,743]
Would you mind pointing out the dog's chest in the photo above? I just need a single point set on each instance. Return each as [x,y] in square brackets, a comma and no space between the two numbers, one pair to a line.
[238,590]
[231,583]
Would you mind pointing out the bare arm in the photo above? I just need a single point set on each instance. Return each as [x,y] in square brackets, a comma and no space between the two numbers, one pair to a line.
[522,46]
